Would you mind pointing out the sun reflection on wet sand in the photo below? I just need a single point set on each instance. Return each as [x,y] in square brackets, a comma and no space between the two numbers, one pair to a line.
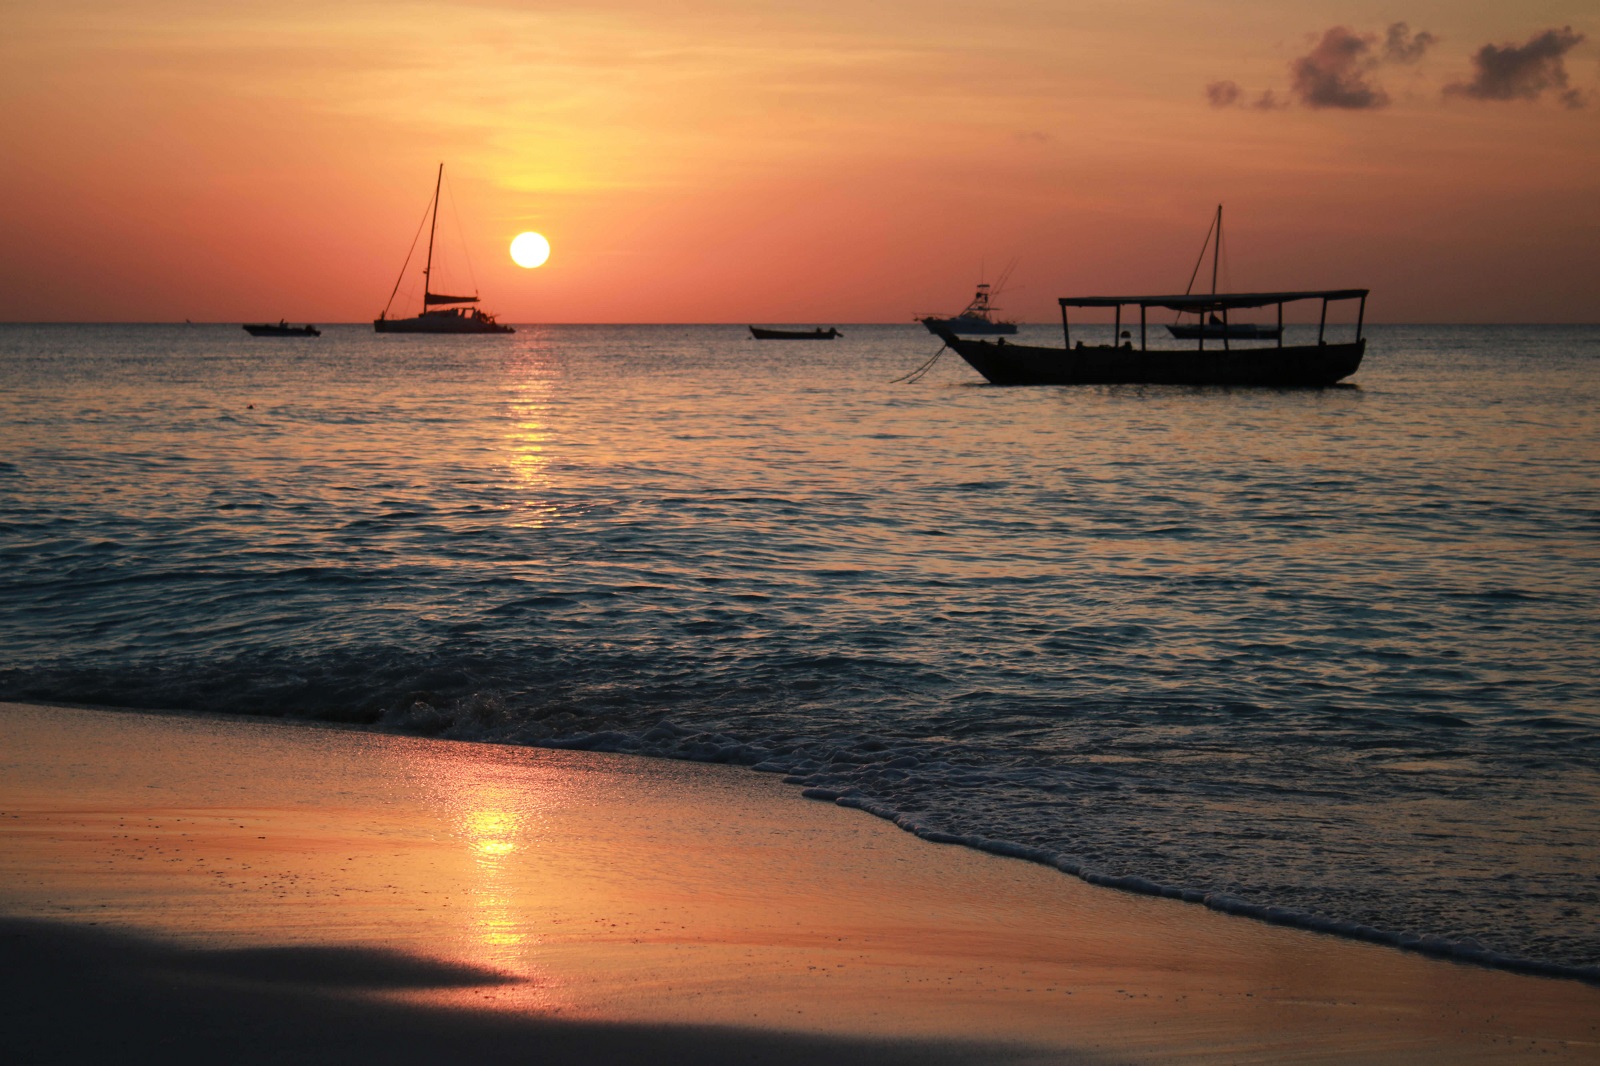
[497,810]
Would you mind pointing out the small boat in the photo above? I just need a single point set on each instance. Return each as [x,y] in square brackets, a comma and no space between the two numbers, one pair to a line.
[978,317]
[1213,328]
[1120,363]
[282,329]
[452,318]
[818,334]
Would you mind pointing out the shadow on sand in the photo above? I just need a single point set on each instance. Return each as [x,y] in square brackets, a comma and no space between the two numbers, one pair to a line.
[75,994]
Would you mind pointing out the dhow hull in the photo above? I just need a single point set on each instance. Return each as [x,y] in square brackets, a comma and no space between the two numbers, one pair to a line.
[1018,364]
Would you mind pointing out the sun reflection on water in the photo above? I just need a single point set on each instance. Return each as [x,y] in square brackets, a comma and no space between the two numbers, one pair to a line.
[528,442]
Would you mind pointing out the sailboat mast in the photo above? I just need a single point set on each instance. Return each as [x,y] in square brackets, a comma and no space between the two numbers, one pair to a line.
[1216,249]
[427,271]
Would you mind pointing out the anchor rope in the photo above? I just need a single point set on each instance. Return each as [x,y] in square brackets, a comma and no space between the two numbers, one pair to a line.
[920,372]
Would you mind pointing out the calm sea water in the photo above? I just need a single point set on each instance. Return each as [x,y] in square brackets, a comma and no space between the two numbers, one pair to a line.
[1332,651]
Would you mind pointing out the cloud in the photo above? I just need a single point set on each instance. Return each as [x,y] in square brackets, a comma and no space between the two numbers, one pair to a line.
[1523,72]
[1269,101]
[1400,46]
[1333,74]
[1223,93]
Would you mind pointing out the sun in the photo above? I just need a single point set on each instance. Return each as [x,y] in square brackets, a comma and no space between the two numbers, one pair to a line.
[529,250]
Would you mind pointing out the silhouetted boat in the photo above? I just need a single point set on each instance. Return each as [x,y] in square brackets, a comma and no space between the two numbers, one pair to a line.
[1214,328]
[282,329]
[453,319]
[794,334]
[977,318]
[1119,363]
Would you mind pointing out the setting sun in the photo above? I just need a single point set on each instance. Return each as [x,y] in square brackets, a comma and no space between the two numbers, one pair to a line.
[529,250]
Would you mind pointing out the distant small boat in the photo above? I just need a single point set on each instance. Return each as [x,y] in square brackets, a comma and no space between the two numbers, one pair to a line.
[794,334]
[977,318]
[449,320]
[282,329]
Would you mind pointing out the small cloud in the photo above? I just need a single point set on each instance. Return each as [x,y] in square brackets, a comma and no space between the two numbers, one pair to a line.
[1333,74]
[1573,99]
[1223,93]
[1523,72]
[1401,46]
[1031,137]
[1269,101]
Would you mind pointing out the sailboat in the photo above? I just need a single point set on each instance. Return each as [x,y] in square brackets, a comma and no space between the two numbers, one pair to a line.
[454,317]
[1214,328]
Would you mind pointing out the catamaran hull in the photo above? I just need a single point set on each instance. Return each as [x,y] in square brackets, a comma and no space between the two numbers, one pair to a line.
[1239,331]
[438,325]
[1017,364]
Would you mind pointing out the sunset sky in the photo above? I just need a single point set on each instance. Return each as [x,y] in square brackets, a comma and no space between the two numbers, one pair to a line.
[827,161]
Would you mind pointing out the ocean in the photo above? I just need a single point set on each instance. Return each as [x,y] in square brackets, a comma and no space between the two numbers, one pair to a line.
[1322,656]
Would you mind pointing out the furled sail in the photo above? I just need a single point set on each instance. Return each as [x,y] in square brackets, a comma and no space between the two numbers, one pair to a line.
[435,298]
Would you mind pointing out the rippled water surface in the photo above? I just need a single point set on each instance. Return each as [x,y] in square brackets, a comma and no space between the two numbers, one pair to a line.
[1331,650]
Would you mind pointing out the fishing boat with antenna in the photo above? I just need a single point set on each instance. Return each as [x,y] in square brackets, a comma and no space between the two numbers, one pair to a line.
[1214,328]
[454,314]
[977,319]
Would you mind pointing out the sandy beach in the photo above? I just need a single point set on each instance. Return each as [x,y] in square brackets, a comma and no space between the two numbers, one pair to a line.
[257,891]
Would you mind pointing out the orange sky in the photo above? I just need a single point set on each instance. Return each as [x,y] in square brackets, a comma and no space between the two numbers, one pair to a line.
[806,162]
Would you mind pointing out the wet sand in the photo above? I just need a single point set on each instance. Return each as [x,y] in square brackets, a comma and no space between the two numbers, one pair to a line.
[259,891]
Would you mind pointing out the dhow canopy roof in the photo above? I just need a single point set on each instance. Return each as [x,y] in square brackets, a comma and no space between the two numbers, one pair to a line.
[1214,301]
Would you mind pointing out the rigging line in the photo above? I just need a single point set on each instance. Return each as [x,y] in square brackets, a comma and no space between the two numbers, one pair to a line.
[409,253]
[921,371]
[1005,276]
[1197,261]
[462,233]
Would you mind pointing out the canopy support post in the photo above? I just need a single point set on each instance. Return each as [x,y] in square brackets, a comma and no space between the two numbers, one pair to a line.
[1361,315]
[1116,329]
[1322,324]
[1066,331]
[1144,344]
[1225,345]
[1280,323]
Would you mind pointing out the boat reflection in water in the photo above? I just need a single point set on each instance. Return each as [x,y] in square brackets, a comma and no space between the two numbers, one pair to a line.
[1120,363]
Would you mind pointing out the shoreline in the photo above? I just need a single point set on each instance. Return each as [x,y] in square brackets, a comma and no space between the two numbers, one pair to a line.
[663,897]
[1465,951]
